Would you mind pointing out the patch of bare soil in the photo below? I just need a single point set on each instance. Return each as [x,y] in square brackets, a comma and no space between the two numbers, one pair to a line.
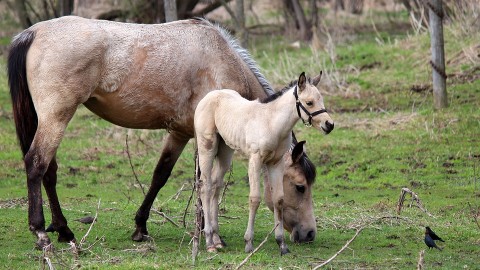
[13,203]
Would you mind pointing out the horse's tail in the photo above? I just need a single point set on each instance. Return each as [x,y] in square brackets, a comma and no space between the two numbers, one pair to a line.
[24,113]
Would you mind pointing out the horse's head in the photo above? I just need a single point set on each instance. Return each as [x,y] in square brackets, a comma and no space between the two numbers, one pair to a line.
[299,175]
[310,105]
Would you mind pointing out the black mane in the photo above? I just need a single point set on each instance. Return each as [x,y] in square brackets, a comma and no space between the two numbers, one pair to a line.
[307,165]
[285,89]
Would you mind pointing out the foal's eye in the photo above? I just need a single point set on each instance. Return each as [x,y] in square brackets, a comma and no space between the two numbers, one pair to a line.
[309,103]
[300,188]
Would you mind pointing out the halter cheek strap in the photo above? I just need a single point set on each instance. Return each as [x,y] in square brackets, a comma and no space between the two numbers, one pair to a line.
[299,106]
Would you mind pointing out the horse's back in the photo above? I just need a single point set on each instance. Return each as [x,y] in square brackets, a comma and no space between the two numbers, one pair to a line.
[134,75]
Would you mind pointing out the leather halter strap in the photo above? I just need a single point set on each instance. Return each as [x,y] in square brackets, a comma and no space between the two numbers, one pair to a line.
[299,106]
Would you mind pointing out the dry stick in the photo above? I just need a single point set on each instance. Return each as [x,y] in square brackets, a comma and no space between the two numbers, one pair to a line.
[198,211]
[415,198]
[255,250]
[131,166]
[475,215]
[421,259]
[342,249]
[188,205]
[82,241]
[165,216]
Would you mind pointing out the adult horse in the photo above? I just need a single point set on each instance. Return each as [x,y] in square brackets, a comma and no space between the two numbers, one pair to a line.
[135,76]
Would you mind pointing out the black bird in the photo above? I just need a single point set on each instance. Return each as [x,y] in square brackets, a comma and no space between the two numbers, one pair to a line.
[430,238]
[86,220]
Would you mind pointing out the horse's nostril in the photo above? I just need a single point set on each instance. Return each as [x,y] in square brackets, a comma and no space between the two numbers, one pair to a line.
[310,236]
[329,125]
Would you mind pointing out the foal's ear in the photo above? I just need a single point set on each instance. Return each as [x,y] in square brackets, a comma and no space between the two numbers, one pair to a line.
[297,152]
[317,78]
[302,81]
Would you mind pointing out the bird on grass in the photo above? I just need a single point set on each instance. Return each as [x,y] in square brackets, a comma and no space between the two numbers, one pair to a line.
[86,220]
[430,238]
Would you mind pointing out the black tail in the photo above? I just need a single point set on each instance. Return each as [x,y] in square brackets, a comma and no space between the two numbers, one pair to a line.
[24,113]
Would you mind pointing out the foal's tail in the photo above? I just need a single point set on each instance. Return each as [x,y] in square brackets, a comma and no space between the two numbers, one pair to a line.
[24,113]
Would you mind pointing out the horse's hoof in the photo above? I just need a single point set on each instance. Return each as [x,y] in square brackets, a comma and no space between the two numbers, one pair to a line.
[248,248]
[65,235]
[44,244]
[212,249]
[284,251]
[220,244]
[138,236]
[50,228]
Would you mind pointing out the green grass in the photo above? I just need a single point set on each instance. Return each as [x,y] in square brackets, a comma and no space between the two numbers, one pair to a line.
[386,137]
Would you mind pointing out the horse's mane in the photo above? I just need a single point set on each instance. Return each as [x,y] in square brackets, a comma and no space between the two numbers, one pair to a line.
[244,55]
[278,94]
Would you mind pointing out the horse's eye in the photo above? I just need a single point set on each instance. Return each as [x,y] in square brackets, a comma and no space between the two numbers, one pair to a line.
[300,188]
[309,103]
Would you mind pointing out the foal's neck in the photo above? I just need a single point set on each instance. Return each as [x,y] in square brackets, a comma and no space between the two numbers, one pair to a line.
[283,114]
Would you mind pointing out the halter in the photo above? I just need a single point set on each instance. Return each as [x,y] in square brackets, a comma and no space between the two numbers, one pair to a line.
[310,115]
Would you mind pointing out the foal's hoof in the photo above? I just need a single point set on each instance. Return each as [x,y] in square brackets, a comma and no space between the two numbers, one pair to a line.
[212,249]
[220,244]
[50,228]
[248,248]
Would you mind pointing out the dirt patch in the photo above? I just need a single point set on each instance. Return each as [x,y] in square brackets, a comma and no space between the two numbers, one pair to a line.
[13,203]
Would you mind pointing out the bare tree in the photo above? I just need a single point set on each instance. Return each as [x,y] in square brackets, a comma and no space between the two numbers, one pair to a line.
[438,54]
[170,10]
[242,33]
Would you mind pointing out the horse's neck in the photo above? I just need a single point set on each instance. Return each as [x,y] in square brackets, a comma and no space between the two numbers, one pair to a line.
[283,114]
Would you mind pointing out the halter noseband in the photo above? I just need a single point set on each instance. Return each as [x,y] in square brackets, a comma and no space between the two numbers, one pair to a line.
[310,115]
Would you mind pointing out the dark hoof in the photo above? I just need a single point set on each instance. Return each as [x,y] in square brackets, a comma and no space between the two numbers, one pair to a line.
[65,235]
[284,251]
[44,244]
[138,236]
[50,228]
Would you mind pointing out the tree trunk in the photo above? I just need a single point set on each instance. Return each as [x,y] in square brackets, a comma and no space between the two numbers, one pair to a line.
[301,20]
[21,10]
[438,55]
[64,7]
[170,10]
[240,16]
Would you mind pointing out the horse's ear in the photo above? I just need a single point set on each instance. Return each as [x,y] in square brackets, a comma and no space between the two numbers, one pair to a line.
[317,78]
[297,152]
[302,81]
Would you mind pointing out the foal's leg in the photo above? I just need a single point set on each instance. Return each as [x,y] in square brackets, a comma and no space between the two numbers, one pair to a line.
[59,222]
[207,150]
[254,171]
[172,148]
[275,173]
[224,160]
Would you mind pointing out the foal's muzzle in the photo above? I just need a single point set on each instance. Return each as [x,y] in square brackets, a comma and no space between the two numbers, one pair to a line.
[328,127]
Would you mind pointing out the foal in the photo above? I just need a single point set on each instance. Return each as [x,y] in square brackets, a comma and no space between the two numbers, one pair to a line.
[224,122]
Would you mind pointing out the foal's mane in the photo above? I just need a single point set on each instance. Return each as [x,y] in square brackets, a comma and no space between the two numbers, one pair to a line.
[284,89]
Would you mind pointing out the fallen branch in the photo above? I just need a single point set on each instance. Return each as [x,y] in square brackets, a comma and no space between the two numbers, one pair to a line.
[131,166]
[421,260]
[165,216]
[415,198]
[256,249]
[82,241]
[342,249]
[198,211]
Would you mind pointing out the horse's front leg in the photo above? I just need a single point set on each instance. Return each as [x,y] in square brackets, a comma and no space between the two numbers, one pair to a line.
[172,148]
[275,173]
[254,171]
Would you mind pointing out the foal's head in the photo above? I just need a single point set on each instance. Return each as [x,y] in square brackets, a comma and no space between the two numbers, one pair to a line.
[298,178]
[310,105]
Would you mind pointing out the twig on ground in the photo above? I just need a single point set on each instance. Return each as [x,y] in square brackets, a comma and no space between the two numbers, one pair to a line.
[82,241]
[198,211]
[188,205]
[256,249]
[342,249]
[415,198]
[131,166]
[165,216]
[421,260]
[475,214]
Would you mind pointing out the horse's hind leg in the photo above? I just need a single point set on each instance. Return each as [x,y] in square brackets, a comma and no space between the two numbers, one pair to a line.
[207,151]
[50,130]
[254,171]
[224,160]
[59,222]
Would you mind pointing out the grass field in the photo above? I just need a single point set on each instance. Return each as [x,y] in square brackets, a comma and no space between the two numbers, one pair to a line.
[387,136]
